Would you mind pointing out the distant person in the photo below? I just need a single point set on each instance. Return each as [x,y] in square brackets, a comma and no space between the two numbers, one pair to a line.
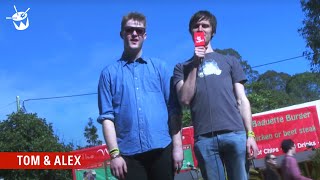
[289,166]
[89,175]
[271,172]
[133,99]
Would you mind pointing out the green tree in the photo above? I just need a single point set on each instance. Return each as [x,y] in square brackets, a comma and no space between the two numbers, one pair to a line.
[311,31]
[23,132]
[304,87]
[230,52]
[90,133]
[275,90]
[273,80]
[186,117]
[266,99]
[269,92]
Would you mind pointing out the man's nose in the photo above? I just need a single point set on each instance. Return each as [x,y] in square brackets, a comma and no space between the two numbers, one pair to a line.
[200,28]
[134,32]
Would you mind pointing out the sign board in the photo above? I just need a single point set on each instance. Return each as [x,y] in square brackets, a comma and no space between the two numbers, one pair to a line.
[299,123]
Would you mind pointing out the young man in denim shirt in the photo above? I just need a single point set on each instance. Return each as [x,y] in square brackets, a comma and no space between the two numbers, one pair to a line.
[133,99]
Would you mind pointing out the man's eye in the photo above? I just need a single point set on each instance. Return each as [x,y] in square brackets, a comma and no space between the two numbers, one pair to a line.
[205,25]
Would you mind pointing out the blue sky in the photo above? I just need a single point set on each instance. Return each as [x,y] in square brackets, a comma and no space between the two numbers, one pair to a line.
[68,43]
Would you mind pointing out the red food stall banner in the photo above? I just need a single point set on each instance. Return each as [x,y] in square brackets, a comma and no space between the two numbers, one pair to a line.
[301,125]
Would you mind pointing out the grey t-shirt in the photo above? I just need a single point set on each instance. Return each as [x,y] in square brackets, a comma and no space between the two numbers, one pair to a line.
[214,106]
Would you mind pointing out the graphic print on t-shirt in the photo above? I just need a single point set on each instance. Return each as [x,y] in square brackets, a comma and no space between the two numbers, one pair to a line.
[209,67]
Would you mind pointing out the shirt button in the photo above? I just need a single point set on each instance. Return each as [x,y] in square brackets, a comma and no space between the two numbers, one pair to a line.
[136,78]
[137,88]
[139,109]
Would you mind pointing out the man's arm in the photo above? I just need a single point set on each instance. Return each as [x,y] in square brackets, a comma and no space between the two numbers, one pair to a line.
[294,169]
[117,165]
[245,111]
[175,125]
[186,88]
[175,132]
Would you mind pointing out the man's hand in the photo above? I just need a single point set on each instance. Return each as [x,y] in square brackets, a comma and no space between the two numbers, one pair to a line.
[199,53]
[177,155]
[252,148]
[118,167]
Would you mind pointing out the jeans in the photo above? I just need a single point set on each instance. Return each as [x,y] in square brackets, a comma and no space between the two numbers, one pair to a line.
[227,149]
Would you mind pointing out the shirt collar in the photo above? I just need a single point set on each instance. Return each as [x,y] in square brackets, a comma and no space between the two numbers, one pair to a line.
[140,60]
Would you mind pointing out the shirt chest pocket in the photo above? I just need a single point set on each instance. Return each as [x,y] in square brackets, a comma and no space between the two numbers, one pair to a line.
[152,83]
[118,97]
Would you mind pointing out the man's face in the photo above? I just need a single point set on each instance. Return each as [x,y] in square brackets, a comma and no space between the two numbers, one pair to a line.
[273,160]
[204,26]
[294,149]
[133,34]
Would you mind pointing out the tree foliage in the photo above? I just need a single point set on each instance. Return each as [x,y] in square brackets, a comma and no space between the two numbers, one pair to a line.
[273,80]
[269,92]
[304,87]
[186,117]
[311,31]
[90,133]
[275,90]
[267,99]
[23,132]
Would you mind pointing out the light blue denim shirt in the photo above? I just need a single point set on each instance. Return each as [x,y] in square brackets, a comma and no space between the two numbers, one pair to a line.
[135,96]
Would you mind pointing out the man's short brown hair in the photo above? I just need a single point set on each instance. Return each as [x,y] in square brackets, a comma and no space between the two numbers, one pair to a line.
[286,145]
[134,16]
[203,15]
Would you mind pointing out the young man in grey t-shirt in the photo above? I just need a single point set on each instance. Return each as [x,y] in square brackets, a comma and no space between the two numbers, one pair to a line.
[212,85]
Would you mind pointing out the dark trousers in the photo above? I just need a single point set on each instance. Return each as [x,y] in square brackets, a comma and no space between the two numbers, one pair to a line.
[152,165]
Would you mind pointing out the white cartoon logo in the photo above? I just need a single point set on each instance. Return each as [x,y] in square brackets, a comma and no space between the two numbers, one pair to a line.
[199,39]
[20,19]
[209,67]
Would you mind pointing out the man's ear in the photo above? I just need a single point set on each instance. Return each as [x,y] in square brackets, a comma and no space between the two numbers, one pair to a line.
[145,36]
[121,35]
[212,35]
